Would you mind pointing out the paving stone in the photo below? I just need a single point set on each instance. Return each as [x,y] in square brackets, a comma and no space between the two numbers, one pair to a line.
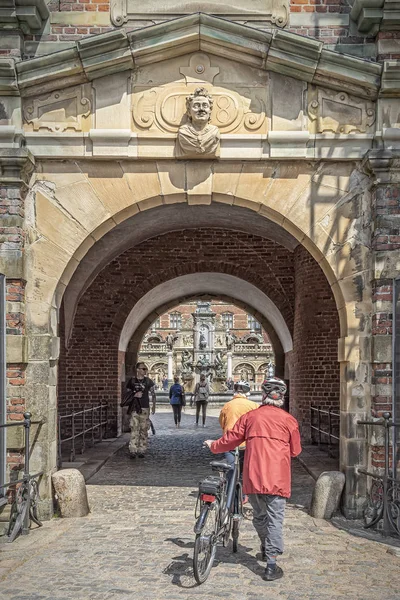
[138,540]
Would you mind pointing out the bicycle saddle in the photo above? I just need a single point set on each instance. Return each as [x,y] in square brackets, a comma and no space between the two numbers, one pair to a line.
[220,465]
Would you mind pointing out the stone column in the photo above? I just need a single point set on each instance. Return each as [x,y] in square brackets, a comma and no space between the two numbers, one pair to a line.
[229,366]
[170,366]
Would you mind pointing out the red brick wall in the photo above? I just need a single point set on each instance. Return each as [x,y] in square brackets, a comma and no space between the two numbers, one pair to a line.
[240,321]
[89,369]
[314,371]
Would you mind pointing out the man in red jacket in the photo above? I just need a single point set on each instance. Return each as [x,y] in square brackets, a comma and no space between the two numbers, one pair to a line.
[272,438]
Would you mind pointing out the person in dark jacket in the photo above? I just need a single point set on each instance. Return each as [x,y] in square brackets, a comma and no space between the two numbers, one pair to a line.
[272,439]
[176,399]
[142,388]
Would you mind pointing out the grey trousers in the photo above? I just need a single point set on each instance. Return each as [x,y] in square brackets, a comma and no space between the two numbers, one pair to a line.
[268,514]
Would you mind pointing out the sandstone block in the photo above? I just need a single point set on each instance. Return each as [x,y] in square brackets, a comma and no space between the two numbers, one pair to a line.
[70,489]
[326,496]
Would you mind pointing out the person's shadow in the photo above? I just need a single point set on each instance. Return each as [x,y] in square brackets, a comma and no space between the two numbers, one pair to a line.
[181,566]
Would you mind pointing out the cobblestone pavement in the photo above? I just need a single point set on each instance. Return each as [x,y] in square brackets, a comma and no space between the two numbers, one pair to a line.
[137,543]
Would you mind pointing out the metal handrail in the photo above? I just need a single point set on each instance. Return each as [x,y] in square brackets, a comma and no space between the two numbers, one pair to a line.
[319,428]
[92,428]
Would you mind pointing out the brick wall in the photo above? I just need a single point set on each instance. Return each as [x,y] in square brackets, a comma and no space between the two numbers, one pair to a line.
[12,241]
[314,370]
[240,320]
[386,242]
[89,369]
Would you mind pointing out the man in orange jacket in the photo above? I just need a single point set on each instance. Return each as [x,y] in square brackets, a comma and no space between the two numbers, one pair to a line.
[272,438]
[232,411]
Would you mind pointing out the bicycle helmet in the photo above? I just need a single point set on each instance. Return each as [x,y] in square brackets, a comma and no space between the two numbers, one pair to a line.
[273,384]
[242,386]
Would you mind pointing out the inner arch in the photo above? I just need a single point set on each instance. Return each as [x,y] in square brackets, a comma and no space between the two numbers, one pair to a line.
[197,284]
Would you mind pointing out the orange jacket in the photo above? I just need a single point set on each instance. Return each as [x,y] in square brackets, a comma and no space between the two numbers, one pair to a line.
[233,410]
[272,438]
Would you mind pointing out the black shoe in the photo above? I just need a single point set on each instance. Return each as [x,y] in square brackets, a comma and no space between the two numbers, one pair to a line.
[132,454]
[140,455]
[272,572]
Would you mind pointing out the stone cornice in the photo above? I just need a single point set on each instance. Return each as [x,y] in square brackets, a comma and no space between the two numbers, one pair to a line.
[16,166]
[122,144]
[8,78]
[287,53]
[28,15]
[384,165]
[372,16]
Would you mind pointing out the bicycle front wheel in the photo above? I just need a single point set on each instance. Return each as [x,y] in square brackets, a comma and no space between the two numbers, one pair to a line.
[235,535]
[205,545]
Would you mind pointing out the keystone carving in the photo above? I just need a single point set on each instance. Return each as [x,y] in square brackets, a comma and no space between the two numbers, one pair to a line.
[198,137]
[59,111]
[339,112]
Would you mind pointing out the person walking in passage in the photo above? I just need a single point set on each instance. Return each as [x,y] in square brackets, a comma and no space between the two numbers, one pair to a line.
[272,438]
[142,387]
[201,395]
[176,399]
[232,411]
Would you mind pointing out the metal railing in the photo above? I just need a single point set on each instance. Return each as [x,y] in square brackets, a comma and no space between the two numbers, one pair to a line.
[24,506]
[87,426]
[383,504]
[324,422]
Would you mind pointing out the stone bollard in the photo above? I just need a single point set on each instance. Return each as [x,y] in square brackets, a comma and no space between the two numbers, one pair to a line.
[326,496]
[70,489]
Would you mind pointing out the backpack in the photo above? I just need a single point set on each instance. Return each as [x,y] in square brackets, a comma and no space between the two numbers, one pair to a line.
[202,393]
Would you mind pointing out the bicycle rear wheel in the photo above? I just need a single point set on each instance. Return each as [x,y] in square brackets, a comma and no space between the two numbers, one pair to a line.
[205,545]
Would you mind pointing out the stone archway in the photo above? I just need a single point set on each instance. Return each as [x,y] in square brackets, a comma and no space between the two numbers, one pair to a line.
[254,198]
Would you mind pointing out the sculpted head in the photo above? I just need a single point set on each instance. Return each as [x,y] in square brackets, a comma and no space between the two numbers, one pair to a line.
[199,106]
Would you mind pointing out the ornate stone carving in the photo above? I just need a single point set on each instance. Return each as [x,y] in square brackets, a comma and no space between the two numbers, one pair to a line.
[187,363]
[170,340]
[339,112]
[272,11]
[199,69]
[220,365]
[59,111]
[198,137]
[163,108]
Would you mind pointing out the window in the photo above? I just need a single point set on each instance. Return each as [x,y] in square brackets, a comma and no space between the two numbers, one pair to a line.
[157,324]
[227,320]
[175,320]
[253,324]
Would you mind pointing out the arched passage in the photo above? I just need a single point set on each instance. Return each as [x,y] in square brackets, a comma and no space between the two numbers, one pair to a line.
[124,298]
[246,198]
[220,285]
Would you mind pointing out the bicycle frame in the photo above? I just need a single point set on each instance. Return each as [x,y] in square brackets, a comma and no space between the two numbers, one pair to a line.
[226,500]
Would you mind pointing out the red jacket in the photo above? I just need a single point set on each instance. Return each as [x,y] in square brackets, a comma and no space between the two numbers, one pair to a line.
[272,438]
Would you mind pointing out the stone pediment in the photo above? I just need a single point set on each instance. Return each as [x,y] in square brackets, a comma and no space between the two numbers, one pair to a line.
[281,51]
[275,95]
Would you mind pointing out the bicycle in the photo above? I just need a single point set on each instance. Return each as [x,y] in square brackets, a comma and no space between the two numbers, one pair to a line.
[221,512]
[24,509]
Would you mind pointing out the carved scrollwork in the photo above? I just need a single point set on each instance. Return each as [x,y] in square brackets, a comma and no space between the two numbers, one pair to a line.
[119,12]
[59,111]
[339,112]
[163,109]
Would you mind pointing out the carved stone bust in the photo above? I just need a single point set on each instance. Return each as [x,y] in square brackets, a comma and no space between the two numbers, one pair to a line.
[198,138]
